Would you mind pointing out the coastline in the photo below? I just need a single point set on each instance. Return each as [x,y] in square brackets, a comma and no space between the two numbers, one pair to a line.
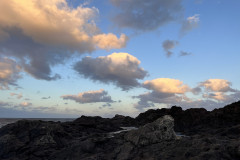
[158,134]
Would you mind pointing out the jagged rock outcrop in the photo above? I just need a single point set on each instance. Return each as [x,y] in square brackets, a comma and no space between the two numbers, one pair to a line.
[32,138]
[125,121]
[155,132]
[27,139]
[195,119]
[209,135]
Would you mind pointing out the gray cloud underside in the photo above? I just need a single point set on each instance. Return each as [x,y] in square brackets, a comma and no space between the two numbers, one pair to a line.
[36,59]
[150,99]
[40,41]
[210,104]
[196,90]
[9,73]
[183,53]
[46,97]
[168,45]
[90,97]
[100,69]
[146,15]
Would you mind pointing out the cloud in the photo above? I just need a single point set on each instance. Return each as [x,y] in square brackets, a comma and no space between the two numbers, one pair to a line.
[4,104]
[90,97]
[43,33]
[168,92]
[219,90]
[168,45]
[25,104]
[215,89]
[196,90]
[189,24]
[166,85]
[211,103]
[106,105]
[207,104]
[220,96]
[164,91]
[9,72]
[233,97]
[19,96]
[46,97]
[217,85]
[121,69]
[145,15]
[110,41]
[183,53]
[148,99]
[12,111]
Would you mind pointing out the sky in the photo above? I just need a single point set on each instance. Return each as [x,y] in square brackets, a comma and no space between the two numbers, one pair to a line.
[67,58]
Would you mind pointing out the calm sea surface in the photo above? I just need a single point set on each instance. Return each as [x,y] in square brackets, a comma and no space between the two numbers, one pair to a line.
[5,121]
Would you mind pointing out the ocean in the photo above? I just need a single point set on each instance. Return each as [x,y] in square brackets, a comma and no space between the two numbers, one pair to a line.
[5,121]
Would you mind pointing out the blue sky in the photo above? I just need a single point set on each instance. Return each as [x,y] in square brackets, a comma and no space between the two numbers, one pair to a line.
[70,58]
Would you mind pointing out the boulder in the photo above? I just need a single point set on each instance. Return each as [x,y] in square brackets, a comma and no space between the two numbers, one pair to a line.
[155,132]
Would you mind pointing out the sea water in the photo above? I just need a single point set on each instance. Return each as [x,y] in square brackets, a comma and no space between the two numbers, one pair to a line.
[5,121]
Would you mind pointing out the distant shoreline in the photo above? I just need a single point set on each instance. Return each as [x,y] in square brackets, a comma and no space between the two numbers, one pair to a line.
[5,121]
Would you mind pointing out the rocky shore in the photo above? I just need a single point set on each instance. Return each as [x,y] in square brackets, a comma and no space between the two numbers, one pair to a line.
[205,135]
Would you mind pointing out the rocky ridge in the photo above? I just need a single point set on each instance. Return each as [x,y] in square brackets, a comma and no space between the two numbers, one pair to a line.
[208,135]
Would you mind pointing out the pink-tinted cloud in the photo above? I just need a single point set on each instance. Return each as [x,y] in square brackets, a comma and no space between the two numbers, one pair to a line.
[166,85]
[217,85]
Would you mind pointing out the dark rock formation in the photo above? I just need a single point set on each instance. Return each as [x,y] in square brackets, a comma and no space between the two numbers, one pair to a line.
[195,119]
[125,121]
[208,135]
[32,138]
[155,132]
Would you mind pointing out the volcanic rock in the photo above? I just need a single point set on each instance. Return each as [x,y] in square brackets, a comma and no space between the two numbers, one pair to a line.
[194,120]
[155,132]
[206,135]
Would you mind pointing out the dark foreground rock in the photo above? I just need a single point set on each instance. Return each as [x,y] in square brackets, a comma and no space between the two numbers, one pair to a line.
[195,119]
[155,132]
[206,135]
